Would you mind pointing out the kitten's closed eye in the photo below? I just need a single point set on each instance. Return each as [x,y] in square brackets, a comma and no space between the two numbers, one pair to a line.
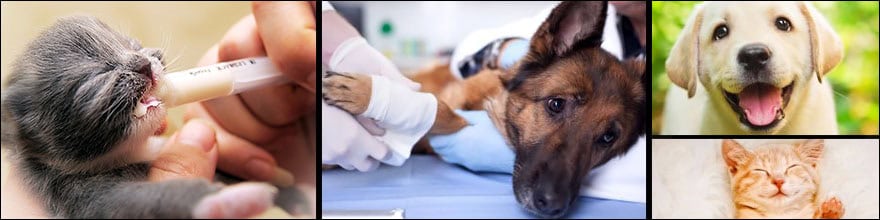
[790,167]
[762,171]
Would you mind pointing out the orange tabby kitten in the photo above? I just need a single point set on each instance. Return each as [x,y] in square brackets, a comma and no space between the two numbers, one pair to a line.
[778,181]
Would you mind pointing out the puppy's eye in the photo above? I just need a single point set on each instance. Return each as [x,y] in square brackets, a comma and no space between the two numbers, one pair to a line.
[555,105]
[720,32]
[783,24]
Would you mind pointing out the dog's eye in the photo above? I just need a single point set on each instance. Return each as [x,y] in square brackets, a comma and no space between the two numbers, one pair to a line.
[783,24]
[720,32]
[607,138]
[555,105]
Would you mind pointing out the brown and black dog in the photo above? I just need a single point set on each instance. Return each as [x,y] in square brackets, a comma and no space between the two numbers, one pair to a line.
[566,107]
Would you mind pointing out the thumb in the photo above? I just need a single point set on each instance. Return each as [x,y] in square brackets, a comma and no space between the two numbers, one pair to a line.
[190,153]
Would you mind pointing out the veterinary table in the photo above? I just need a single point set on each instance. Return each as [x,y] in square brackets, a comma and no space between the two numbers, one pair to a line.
[427,187]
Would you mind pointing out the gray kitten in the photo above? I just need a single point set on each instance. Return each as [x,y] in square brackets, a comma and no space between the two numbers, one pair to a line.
[68,121]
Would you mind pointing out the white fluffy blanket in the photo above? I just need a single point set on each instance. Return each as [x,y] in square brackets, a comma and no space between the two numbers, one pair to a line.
[689,179]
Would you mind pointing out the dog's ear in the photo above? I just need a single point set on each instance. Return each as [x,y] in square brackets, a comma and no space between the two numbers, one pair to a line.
[635,68]
[571,25]
[827,49]
[683,63]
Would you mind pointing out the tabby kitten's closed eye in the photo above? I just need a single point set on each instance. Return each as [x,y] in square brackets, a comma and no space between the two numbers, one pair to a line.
[778,181]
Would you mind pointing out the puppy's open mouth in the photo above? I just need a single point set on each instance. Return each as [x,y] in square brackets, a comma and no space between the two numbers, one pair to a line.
[760,106]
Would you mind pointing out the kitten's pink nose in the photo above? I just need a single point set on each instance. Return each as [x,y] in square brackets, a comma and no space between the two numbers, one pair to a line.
[778,183]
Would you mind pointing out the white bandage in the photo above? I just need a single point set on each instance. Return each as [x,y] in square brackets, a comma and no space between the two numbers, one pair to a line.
[405,114]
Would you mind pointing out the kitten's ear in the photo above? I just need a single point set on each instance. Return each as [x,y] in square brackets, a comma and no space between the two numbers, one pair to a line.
[734,154]
[811,150]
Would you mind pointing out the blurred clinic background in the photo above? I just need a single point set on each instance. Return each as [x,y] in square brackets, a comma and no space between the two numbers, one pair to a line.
[413,34]
[184,30]
[854,80]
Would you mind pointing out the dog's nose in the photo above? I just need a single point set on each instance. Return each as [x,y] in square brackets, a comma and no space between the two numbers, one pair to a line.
[754,56]
[549,204]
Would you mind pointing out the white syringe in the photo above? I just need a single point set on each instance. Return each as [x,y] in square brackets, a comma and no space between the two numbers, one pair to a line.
[222,79]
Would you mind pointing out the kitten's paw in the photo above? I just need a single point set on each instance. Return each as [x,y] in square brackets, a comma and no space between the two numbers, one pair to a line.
[241,200]
[832,208]
[351,92]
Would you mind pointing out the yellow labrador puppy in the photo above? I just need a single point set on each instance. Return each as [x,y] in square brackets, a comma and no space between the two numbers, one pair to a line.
[752,68]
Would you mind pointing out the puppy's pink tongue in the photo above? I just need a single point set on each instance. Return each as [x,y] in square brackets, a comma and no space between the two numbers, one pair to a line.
[760,103]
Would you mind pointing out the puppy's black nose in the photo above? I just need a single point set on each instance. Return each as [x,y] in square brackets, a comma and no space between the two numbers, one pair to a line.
[549,205]
[754,56]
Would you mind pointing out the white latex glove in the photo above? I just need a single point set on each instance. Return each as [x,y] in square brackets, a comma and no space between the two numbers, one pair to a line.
[346,143]
[344,50]
[478,147]
[354,55]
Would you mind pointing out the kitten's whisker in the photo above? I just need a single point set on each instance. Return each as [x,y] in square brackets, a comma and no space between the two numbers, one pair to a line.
[171,63]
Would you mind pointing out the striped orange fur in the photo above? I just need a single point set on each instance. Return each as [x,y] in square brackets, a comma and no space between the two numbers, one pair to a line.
[777,181]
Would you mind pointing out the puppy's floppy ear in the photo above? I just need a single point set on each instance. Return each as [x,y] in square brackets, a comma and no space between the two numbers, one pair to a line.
[827,49]
[683,63]
[571,25]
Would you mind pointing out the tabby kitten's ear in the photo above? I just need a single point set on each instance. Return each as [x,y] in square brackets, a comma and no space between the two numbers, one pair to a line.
[810,151]
[734,155]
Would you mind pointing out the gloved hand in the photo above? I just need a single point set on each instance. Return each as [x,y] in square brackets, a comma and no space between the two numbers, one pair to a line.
[344,50]
[346,143]
[478,147]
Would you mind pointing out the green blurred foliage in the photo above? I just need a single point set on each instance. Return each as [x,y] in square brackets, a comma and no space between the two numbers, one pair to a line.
[854,80]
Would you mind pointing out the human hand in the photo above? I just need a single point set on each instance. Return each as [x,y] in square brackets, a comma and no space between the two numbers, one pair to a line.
[345,143]
[478,147]
[189,153]
[259,126]
[345,50]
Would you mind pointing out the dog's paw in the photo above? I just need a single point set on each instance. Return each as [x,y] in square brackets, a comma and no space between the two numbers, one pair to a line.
[832,208]
[243,200]
[351,92]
